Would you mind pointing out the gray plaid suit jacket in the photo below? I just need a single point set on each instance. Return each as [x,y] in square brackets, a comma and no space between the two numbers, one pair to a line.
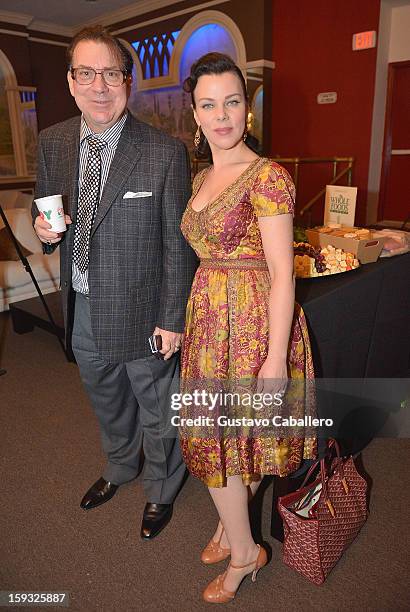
[141,268]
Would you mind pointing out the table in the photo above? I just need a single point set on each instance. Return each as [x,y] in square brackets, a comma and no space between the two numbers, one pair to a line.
[359,327]
[359,321]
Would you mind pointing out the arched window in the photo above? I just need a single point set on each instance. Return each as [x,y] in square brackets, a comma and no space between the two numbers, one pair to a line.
[157,96]
[207,38]
[7,161]
[18,124]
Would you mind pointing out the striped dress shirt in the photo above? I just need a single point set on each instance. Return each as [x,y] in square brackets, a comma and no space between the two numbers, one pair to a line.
[111,137]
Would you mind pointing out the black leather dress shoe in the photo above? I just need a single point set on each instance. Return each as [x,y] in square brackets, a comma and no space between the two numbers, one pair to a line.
[100,492]
[155,518]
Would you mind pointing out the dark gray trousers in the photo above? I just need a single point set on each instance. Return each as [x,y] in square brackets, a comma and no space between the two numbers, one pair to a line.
[132,404]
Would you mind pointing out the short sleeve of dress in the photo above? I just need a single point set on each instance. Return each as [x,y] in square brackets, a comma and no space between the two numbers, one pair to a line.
[273,192]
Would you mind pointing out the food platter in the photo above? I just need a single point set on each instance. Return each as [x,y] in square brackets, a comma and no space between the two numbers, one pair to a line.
[322,262]
[323,277]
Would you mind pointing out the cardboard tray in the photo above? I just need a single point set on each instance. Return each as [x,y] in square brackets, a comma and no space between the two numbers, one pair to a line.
[366,251]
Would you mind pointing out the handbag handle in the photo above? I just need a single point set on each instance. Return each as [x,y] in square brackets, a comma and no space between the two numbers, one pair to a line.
[332,443]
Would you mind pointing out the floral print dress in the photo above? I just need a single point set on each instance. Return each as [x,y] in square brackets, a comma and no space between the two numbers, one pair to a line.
[227,327]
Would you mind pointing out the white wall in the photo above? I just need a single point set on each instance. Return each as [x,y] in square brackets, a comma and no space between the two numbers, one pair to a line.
[399,48]
[393,46]
[379,109]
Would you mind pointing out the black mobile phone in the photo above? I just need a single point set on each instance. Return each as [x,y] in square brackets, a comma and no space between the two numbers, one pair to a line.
[155,344]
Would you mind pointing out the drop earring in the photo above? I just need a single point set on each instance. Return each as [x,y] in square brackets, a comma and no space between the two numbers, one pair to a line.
[197,138]
[245,135]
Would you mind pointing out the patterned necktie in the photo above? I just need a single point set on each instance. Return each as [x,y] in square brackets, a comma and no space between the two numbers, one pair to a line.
[87,203]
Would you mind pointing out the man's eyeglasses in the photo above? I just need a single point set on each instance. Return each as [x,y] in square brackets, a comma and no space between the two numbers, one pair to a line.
[86,76]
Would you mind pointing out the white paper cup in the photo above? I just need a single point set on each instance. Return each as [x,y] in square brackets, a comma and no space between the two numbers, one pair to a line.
[51,210]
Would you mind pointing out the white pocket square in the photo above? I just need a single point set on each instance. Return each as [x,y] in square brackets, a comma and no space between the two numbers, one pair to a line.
[136,194]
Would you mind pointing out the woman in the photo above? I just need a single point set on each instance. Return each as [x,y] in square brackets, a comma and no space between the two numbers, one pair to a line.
[240,323]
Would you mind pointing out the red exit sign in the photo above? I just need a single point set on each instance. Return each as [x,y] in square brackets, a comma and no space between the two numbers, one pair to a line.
[364,40]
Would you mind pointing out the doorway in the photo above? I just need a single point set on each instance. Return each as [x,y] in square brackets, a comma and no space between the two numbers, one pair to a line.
[394,199]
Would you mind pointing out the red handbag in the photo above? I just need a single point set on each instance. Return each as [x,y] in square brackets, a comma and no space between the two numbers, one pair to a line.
[321,520]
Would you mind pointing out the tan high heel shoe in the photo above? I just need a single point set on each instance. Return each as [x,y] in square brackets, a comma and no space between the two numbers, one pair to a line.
[215,592]
[213,551]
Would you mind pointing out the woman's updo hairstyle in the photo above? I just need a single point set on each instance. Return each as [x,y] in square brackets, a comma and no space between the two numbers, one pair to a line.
[211,63]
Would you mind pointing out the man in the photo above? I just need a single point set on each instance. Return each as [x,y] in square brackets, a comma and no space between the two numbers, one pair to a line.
[126,270]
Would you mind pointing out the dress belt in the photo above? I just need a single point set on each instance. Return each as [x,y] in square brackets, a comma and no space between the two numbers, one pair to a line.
[234,264]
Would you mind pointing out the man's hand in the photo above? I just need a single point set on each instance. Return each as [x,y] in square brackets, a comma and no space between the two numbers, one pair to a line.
[42,229]
[171,342]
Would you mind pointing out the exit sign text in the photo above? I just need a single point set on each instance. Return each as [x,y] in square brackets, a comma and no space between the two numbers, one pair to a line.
[364,40]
